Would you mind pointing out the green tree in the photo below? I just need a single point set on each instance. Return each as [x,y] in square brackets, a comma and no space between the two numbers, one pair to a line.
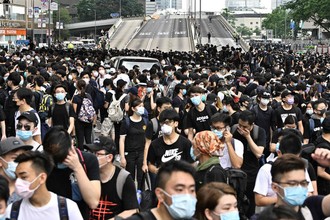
[62,15]
[244,30]
[228,15]
[278,21]
[86,9]
[257,31]
[314,10]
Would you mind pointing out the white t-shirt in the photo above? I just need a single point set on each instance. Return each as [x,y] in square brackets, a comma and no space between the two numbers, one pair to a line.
[263,185]
[38,131]
[225,159]
[49,211]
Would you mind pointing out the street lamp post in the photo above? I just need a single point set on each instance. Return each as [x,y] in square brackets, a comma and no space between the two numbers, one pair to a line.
[120,8]
[95,25]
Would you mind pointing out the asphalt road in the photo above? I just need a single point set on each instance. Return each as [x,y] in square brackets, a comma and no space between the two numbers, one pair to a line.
[124,33]
[164,34]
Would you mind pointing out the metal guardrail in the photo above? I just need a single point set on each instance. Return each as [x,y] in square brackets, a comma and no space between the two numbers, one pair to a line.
[114,28]
[233,32]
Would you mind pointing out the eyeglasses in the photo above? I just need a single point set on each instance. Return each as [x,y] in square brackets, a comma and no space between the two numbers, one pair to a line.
[303,183]
[26,127]
[100,154]
[218,128]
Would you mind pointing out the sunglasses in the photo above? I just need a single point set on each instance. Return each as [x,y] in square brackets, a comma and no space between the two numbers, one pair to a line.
[26,127]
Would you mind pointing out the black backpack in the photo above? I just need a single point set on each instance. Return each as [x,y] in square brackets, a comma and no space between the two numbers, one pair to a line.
[237,179]
[62,208]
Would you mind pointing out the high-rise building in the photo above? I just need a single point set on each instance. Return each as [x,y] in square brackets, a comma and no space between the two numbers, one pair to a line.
[277,3]
[164,4]
[232,4]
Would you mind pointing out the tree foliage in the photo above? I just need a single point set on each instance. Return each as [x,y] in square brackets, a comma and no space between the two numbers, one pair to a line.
[87,9]
[244,30]
[279,22]
[228,15]
[314,10]
[63,15]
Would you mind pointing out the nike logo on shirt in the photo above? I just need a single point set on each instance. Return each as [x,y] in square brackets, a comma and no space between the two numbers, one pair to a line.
[171,154]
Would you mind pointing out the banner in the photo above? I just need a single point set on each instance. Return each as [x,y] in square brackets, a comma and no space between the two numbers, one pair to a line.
[36,12]
[53,6]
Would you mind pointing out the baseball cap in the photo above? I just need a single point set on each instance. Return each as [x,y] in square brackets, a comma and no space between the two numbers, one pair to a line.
[285,93]
[121,83]
[133,90]
[30,116]
[102,143]
[264,94]
[11,144]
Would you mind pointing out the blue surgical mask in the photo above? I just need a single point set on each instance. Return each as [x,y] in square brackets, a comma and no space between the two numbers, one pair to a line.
[203,98]
[277,147]
[192,155]
[10,170]
[61,166]
[218,133]
[2,216]
[149,90]
[224,108]
[234,215]
[295,195]
[140,110]
[60,96]
[183,206]
[24,135]
[196,100]
[184,92]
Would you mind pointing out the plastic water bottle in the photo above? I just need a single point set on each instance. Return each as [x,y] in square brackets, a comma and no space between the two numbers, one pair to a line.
[138,195]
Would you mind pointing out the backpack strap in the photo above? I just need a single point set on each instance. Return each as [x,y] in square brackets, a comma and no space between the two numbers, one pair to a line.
[311,125]
[233,128]
[121,97]
[15,209]
[67,107]
[38,147]
[154,122]
[81,159]
[62,208]
[255,132]
[121,179]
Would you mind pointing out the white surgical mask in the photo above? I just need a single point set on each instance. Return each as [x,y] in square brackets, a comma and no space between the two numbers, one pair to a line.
[166,129]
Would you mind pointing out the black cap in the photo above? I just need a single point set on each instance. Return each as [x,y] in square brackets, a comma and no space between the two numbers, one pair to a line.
[30,116]
[102,143]
[11,144]
[285,93]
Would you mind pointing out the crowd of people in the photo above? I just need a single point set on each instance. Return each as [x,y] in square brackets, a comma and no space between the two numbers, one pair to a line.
[220,133]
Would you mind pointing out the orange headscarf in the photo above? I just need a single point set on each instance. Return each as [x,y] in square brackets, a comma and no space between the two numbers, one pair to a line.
[207,143]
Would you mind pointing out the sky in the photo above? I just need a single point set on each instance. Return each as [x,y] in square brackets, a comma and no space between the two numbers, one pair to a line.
[215,5]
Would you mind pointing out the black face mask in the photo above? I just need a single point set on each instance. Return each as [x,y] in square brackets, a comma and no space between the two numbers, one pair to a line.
[322,112]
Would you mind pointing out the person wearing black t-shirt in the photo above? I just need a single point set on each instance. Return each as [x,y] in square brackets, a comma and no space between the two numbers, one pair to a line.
[199,116]
[286,109]
[314,128]
[264,116]
[58,113]
[253,150]
[115,200]
[154,128]
[133,139]
[76,174]
[171,146]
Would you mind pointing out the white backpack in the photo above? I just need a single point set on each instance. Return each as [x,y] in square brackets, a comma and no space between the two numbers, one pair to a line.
[115,113]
